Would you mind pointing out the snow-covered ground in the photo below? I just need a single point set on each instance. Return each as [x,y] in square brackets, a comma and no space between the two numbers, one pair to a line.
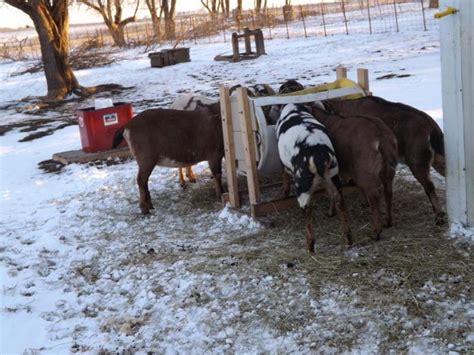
[82,270]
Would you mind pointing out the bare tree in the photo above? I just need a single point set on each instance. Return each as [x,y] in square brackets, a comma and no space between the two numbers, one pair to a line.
[111,11]
[225,7]
[155,17]
[51,21]
[168,9]
[260,5]
[211,6]
[239,8]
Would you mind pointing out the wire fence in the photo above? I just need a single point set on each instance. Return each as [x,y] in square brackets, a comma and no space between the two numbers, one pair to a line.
[319,19]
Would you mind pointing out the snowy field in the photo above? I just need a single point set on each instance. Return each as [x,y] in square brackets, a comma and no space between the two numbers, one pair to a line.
[83,271]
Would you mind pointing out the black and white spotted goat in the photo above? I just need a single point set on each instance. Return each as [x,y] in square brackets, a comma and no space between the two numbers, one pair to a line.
[307,154]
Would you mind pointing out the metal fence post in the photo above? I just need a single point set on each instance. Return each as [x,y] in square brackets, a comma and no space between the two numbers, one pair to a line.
[345,17]
[324,21]
[368,13]
[423,11]
[396,14]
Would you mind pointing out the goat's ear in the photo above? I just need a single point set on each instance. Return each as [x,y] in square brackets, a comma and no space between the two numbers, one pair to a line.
[233,88]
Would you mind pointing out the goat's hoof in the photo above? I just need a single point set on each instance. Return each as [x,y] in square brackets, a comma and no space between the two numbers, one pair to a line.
[375,236]
[440,219]
[145,211]
[349,239]
[330,214]
[192,180]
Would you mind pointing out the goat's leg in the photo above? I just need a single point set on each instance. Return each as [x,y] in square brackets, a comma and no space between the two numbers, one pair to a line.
[190,174]
[389,174]
[332,206]
[286,184]
[309,228]
[439,164]
[337,202]
[216,169]
[181,177]
[422,174]
[144,172]
[373,198]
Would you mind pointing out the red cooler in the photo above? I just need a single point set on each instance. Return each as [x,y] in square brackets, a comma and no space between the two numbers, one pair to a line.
[98,127]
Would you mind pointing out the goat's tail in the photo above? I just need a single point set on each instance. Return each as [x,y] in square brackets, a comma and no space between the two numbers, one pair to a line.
[437,144]
[389,151]
[118,138]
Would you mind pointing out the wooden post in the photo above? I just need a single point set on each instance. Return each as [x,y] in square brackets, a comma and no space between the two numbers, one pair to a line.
[259,42]
[396,14]
[341,72]
[248,45]
[235,47]
[249,146]
[229,147]
[457,74]
[363,80]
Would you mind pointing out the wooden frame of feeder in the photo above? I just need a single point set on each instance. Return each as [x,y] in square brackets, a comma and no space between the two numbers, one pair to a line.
[248,129]
[259,44]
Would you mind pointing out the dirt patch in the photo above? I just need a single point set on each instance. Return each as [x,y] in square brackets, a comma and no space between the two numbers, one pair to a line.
[391,76]
[51,166]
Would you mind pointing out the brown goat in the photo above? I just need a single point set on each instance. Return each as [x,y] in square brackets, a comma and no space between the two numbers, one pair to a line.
[420,140]
[367,154]
[174,138]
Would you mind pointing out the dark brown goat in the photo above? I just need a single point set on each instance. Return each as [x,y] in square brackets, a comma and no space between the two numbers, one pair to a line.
[366,150]
[174,138]
[420,140]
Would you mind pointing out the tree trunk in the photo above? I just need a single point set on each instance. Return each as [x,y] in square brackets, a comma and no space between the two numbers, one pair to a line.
[118,35]
[170,28]
[169,12]
[155,20]
[52,26]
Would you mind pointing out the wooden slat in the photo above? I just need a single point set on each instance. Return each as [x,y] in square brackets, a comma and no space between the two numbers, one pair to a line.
[264,208]
[79,156]
[341,72]
[229,147]
[324,95]
[363,80]
[249,146]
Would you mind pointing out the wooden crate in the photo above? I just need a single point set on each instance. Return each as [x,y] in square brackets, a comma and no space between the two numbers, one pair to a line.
[167,57]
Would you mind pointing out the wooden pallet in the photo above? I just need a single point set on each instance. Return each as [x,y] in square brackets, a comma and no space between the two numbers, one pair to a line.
[79,156]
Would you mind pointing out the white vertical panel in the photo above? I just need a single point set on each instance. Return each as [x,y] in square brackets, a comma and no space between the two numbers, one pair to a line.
[458,107]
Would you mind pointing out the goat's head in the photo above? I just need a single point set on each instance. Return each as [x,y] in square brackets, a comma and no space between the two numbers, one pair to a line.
[290,86]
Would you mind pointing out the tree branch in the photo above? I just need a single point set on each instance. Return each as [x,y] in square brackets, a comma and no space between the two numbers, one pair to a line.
[20,5]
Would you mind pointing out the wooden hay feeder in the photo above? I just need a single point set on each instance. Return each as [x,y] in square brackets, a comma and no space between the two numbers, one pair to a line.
[248,54]
[167,57]
[251,144]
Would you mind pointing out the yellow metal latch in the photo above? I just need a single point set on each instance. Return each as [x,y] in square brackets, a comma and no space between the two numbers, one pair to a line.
[449,11]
